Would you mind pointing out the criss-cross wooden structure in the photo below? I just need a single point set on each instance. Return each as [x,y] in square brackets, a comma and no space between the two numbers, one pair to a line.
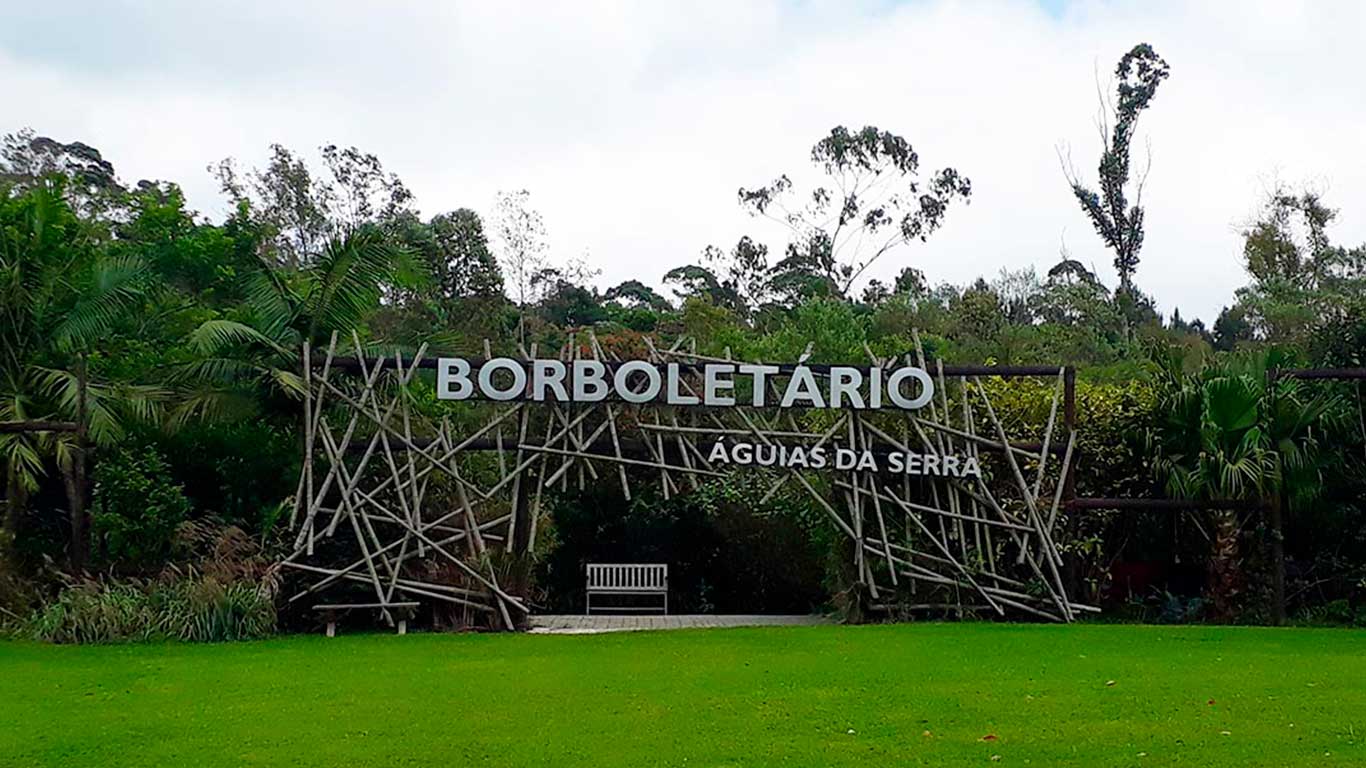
[446,510]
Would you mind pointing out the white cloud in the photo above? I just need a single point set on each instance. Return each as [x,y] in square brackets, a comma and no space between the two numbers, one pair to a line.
[633,125]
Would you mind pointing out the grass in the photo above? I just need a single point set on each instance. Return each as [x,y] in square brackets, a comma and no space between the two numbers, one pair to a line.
[926,694]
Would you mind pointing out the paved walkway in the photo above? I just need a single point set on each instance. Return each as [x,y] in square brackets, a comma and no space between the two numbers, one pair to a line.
[578,625]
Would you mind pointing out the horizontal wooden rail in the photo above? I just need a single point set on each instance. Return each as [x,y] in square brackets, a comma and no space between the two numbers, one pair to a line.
[1339,374]
[13,427]
[1165,505]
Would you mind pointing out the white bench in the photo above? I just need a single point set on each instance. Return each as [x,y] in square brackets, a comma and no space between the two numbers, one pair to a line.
[628,579]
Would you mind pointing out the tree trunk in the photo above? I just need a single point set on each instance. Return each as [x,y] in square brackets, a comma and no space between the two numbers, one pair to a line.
[1276,511]
[1225,576]
[15,501]
[80,527]
[75,476]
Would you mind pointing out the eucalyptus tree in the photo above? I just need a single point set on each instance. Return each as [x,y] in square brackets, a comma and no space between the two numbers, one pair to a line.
[300,209]
[872,201]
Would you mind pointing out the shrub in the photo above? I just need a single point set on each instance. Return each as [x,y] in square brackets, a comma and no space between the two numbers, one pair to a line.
[1339,612]
[94,613]
[136,509]
[207,610]
[238,471]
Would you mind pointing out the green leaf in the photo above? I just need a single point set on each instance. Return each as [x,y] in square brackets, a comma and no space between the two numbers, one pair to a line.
[1231,403]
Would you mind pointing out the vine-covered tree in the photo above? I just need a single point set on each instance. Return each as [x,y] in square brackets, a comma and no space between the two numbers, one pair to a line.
[461,263]
[1117,219]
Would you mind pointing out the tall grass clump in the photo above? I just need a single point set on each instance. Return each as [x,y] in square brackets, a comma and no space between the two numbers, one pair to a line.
[230,595]
[194,608]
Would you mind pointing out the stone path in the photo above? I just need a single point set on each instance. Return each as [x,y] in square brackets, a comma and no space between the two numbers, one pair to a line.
[580,625]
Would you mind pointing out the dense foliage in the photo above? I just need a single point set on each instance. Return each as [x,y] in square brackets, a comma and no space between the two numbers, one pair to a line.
[190,329]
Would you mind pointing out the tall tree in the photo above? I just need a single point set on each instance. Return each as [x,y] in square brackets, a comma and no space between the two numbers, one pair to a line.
[89,183]
[698,282]
[872,202]
[301,210]
[520,236]
[1118,221]
[634,293]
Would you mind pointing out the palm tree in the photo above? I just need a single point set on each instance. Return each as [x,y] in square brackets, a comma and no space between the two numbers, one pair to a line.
[251,357]
[1230,432]
[61,294]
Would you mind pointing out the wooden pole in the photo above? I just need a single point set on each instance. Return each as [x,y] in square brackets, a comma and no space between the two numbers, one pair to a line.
[80,529]
[1276,511]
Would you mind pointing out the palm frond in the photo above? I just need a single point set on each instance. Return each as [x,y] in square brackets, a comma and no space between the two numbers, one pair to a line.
[210,404]
[222,371]
[348,278]
[213,337]
[273,301]
[292,383]
[108,405]
[21,457]
[116,287]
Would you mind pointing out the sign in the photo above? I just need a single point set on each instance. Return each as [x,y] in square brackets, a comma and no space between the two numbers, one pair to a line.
[746,454]
[721,384]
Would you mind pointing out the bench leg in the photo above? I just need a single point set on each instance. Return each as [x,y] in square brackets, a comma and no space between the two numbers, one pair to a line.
[331,629]
[403,626]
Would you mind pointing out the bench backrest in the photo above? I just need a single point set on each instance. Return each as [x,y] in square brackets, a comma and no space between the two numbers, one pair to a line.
[645,577]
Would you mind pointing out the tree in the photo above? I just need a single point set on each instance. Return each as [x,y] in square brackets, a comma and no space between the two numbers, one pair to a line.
[1070,271]
[246,356]
[520,235]
[1118,222]
[61,296]
[873,201]
[634,293]
[1231,328]
[698,282]
[911,282]
[875,292]
[1019,291]
[978,313]
[569,304]
[90,184]
[1230,432]
[1300,279]
[519,232]
[457,254]
[300,211]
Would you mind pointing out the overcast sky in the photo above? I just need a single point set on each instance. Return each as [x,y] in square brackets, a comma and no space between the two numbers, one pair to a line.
[632,125]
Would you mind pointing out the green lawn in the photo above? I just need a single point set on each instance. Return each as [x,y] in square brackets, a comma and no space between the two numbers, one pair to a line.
[922,694]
